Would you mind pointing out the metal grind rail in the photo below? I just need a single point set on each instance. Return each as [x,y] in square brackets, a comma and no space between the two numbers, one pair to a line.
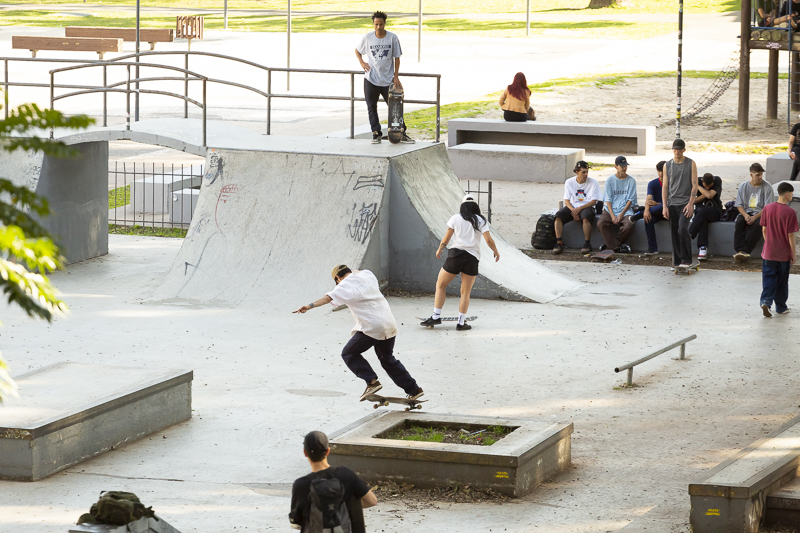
[629,366]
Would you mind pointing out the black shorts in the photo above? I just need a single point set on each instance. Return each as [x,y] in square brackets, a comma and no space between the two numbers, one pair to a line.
[460,262]
[565,214]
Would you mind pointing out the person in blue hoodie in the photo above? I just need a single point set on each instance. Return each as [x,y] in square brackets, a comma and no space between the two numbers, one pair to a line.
[619,199]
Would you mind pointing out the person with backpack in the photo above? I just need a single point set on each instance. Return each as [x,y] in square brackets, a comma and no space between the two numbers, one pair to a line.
[467,226]
[778,225]
[751,198]
[619,197]
[708,209]
[326,500]
[581,194]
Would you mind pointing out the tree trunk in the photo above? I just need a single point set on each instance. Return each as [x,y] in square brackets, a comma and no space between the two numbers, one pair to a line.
[594,4]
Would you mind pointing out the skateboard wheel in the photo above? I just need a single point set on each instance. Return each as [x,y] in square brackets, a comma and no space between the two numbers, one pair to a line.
[376,406]
[408,408]
[385,404]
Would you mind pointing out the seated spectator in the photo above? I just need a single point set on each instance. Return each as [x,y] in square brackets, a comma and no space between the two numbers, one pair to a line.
[653,209]
[516,101]
[619,197]
[581,193]
[794,150]
[707,209]
[751,198]
[789,13]
[766,10]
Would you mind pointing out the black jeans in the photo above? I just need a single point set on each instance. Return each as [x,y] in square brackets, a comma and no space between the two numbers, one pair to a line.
[681,240]
[514,116]
[775,283]
[657,215]
[371,95]
[746,237]
[353,357]
[703,216]
[796,163]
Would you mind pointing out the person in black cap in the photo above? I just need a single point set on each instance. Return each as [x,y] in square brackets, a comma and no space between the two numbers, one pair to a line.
[619,197]
[581,193]
[679,190]
[375,328]
[316,449]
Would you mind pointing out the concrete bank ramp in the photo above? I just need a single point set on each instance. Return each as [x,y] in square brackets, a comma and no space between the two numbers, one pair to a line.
[270,225]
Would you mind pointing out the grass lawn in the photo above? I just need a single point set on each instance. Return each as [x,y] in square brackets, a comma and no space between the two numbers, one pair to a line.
[119,197]
[147,231]
[436,6]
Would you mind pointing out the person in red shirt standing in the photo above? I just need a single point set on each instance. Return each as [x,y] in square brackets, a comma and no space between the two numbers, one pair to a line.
[778,224]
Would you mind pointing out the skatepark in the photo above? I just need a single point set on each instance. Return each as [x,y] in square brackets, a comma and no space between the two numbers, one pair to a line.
[276,212]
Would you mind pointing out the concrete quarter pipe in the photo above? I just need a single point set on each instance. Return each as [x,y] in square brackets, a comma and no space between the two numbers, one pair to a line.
[272,223]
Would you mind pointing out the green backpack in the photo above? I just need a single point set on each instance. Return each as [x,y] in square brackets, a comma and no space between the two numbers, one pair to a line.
[116,508]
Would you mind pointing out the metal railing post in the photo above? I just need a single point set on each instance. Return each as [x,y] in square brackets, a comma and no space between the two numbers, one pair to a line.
[186,86]
[269,100]
[630,377]
[629,366]
[438,105]
[352,105]
[5,87]
[683,351]
[128,100]
[52,97]
[105,96]
[205,108]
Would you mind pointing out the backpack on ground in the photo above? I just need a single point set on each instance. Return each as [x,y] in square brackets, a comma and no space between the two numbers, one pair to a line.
[328,508]
[116,508]
[544,238]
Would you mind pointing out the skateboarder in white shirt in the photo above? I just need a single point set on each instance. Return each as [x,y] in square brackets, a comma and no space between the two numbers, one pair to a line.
[375,328]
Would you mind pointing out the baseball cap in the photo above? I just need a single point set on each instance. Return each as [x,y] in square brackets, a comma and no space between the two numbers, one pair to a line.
[678,144]
[468,198]
[335,272]
[582,164]
[316,441]
[620,161]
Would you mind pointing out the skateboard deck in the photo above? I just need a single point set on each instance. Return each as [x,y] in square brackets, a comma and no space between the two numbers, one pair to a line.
[449,319]
[685,271]
[604,256]
[386,400]
[395,114]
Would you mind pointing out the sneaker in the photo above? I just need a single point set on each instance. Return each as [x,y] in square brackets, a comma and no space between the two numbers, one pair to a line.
[741,256]
[587,247]
[376,137]
[430,322]
[417,395]
[603,247]
[785,311]
[684,265]
[407,140]
[623,249]
[372,388]
[465,327]
[558,248]
[765,310]
[651,252]
[702,253]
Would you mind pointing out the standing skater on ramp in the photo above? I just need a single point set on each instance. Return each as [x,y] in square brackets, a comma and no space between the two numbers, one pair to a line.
[375,328]
[462,258]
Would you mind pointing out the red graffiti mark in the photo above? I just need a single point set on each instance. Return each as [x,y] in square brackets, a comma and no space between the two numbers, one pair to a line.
[226,194]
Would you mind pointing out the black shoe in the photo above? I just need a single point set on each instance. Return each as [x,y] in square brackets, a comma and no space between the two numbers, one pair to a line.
[637,216]
[417,395]
[603,247]
[407,140]
[559,247]
[376,137]
[623,249]
[587,248]
[372,388]
[430,322]
[651,252]
[465,327]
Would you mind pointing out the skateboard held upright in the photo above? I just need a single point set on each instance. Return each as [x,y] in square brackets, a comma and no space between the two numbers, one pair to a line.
[395,114]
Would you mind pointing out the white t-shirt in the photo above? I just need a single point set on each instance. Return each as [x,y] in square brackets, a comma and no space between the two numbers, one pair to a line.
[380,55]
[580,194]
[361,293]
[464,235]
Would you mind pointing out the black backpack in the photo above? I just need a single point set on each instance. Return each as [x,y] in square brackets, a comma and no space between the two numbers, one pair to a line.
[544,238]
[328,508]
[116,508]
[730,213]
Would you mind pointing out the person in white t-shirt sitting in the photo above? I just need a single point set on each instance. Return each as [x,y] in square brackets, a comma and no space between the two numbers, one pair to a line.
[462,258]
[581,193]
[375,328]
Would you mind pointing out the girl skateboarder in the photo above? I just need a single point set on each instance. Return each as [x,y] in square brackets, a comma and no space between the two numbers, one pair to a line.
[462,258]
[375,328]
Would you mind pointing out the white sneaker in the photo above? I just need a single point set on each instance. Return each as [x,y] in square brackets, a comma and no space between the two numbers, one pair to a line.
[741,256]
[702,254]
[684,265]
[784,311]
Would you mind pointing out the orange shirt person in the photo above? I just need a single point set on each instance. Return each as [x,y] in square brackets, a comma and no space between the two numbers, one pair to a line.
[516,101]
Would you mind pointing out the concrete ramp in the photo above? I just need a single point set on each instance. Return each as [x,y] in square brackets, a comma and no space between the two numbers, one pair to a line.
[271,225]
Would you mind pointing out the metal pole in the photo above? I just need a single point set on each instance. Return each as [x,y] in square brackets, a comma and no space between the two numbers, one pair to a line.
[269,100]
[288,39]
[683,351]
[352,106]
[105,96]
[5,87]
[630,377]
[225,11]
[528,19]
[128,99]
[743,120]
[186,86]
[680,70]
[138,17]
[52,97]
[419,33]
[438,108]
[205,107]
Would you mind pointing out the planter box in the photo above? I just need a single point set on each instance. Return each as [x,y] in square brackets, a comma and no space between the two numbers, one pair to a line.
[534,452]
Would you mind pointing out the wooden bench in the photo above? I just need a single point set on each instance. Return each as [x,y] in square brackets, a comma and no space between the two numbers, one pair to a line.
[150,35]
[189,27]
[83,44]
[598,138]
[733,496]
[514,163]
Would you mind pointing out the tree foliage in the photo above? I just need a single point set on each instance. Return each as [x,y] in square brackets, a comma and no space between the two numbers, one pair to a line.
[27,251]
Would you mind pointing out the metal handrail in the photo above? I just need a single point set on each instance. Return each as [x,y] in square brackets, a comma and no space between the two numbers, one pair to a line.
[629,366]
[268,94]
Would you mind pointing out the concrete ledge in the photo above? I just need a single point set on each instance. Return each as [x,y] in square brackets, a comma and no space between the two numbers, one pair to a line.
[532,453]
[603,138]
[364,131]
[779,168]
[731,497]
[69,412]
[514,163]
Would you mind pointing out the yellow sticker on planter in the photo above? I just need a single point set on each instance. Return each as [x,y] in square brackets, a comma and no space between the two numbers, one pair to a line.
[503,475]
[712,512]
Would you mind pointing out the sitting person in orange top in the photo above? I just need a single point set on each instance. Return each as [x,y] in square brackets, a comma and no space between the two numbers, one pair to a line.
[516,101]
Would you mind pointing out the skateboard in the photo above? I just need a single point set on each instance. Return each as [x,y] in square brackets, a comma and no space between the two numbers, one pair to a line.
[395,114]
[449,319]
[605,256]
[386,400]
[685,271]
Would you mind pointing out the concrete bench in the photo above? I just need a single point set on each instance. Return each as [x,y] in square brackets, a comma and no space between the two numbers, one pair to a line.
[602,138]
[183,205]
[514,163]
[149,35]
[71,412]
[779,168]
[83,44]
[732,496]
[152,194]
[720,238]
